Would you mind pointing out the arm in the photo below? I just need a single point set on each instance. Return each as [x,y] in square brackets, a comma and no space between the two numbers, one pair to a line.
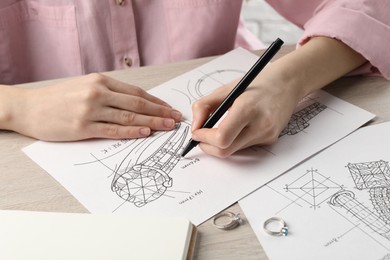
[92,106]
[259,115]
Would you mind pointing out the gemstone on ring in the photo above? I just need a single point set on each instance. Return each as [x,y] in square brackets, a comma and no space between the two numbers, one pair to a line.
[284,231]
[235,220]
[273,230]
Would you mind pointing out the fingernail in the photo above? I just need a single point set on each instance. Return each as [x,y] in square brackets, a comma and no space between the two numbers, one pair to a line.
[144,131]
[169,123]
[176,115]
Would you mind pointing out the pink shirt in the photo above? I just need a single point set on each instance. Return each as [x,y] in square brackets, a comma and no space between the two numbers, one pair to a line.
[364,25]
[45,39]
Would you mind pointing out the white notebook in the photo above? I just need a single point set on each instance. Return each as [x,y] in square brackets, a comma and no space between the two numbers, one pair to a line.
[44,236]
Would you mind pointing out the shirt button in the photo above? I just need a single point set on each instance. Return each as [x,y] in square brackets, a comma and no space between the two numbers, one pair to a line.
[128,61]
[120,2]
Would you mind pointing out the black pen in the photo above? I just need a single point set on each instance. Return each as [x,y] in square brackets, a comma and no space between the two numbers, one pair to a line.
[238,90]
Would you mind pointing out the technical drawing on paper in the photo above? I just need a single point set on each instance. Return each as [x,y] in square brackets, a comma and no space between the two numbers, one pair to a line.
[346,199]
[142,180]
[201,87]
[370,174]
[374,177]
[300,120]
[380,198]
[142,176]
[313,188]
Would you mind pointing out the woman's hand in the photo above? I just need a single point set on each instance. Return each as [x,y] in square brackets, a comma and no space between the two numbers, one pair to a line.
[92,106]
[258,116]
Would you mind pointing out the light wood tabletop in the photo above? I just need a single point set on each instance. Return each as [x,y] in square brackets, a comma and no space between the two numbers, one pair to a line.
[25,186]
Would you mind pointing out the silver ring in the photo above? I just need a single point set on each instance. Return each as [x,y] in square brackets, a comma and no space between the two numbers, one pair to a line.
[280,229]
[235,220]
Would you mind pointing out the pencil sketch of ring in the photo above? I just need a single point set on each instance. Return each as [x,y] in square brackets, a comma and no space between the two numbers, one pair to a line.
[234,220]
[275,227]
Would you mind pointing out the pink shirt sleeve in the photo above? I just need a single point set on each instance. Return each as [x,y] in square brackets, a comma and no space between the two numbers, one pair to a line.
[364,25]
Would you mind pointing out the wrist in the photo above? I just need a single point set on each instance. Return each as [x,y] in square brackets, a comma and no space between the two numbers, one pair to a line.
[10,102]
[284,81]
[314,65]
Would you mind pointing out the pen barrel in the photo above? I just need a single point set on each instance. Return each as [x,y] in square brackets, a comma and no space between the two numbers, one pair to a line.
[246,80]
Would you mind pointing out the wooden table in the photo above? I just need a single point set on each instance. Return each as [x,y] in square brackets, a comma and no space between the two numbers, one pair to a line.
[25,186]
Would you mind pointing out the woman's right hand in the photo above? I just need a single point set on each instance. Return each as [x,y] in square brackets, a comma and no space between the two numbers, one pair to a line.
[92,106]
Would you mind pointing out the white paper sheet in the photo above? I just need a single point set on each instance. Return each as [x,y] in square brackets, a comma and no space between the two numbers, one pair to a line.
[336,204]
[148,175]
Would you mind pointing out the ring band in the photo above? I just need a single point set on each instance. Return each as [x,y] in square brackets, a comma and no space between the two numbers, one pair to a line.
[235,220]
[281,230]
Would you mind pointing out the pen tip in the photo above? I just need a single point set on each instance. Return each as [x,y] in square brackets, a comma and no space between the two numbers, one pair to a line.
[184,153]
[191,144]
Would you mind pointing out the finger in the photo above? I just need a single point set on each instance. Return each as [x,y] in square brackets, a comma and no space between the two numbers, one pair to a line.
[200,113]
[140,105]
[124,88]
[228,129]
[114,131]
[204,107]
[129,118]
[243,141]
[252,134]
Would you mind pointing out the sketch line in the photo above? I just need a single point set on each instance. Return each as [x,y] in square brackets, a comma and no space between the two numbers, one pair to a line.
[104,158]
[363,231]
[368,175]
[147,179]
[300,120]
[313,188]
[198,88]
[346,199]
